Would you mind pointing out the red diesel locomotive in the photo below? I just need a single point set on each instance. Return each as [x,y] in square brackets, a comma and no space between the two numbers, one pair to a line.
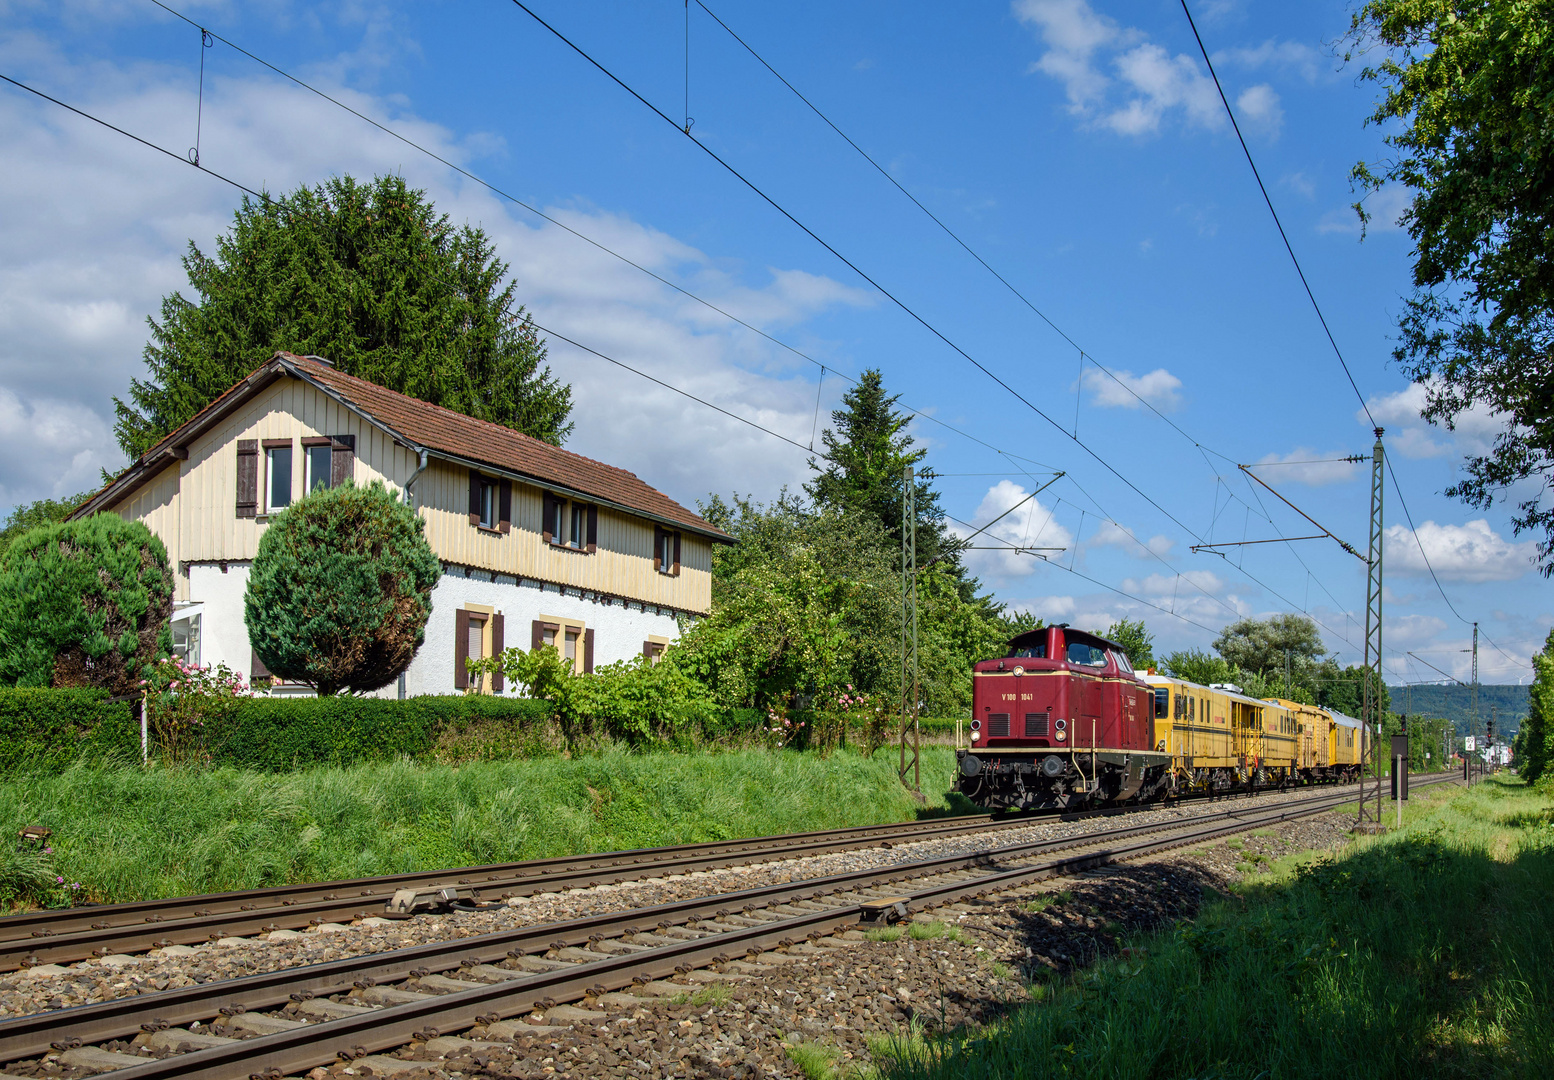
[1061,721]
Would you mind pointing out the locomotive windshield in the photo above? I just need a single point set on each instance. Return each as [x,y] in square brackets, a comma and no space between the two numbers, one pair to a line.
[1034,652]
[1080,652]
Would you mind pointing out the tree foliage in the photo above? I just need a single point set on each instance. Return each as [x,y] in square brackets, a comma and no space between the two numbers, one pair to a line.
[1534,748]
[1265,645]
[33,514]
[84,604]
[1467,88]
[340,590]
[368,275]
[1136,641]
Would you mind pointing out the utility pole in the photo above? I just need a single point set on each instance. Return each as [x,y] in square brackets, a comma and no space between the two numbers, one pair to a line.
[1370,722]
[909,679]
[1474,720]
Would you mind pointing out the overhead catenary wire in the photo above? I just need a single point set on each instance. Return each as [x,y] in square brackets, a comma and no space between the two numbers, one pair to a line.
[854,267]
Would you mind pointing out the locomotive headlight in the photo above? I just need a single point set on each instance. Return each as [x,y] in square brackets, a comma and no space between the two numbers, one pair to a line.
[976,725]
[975,735]
[1062,735]
[1060,723]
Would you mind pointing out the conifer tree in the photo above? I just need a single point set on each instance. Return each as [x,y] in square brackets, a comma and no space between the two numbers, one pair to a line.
[368,276]
[341,589]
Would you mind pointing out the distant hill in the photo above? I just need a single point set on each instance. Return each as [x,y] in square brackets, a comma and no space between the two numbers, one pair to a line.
[1454,703]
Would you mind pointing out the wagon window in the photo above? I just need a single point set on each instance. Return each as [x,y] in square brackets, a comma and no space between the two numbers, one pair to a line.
[1162,697]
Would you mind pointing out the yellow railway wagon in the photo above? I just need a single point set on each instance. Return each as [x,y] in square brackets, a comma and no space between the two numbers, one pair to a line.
[1346,745]
[1313,745]
[1219,738]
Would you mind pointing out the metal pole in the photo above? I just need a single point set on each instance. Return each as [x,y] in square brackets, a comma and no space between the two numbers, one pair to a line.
[1370,720]
[910,689]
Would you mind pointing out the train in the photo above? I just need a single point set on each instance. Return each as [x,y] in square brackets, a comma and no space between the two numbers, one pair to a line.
[1063,721]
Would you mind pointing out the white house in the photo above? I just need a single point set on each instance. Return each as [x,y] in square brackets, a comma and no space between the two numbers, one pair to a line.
[538,544]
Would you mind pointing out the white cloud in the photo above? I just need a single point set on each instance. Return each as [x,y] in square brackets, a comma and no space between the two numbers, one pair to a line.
[1258,107]
[1306,466]
[1114,78]
[1111,534]
[1473,431]
[1472,552]
[1405,632]
[1301,183]
[1165,585]
[1158,388]
[1294,56]
[1031,525]
[1385,208]
[108,220]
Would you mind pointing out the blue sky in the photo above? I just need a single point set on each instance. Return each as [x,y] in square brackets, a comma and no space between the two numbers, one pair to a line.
[1076,146]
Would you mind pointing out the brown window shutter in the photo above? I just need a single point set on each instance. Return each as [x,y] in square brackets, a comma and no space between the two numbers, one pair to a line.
[550,518]
[247,478]
[474,497]
[677,554]
[460,649]
[593,529]
[342,459]
[505,505]
[588,651]
[538,635]
[256,668]
[496,650]
[647,649]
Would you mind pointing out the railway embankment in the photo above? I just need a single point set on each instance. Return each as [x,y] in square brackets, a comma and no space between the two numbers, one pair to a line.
[1428,951]
[125,833]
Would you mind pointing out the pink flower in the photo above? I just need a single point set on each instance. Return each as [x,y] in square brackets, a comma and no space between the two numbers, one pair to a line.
[60,880]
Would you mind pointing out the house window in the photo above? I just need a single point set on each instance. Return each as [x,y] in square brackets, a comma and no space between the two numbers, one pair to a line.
[277,471]
[186,640]
[666,551]
[571,524]
[477,636]
[318,466]
[570,652]
[487,504]
[653,649]
[572,640]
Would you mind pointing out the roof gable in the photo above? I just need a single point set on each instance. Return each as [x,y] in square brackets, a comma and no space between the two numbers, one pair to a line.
[421,425]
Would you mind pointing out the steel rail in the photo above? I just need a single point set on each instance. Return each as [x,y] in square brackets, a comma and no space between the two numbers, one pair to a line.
[63,936]
[32,1035]
[299,1049]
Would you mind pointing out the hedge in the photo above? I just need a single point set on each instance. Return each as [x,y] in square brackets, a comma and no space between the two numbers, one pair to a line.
[46,729]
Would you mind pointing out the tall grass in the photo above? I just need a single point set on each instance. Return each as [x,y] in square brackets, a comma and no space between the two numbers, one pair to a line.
[130,834]
[1426,953]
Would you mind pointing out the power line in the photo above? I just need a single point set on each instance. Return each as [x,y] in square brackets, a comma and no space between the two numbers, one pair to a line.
[1277,223]
[907,309]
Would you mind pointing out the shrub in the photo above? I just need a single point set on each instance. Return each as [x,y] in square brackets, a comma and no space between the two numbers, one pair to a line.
[185,705]
[641,701]
[340,589]
[84,603]
[47,729]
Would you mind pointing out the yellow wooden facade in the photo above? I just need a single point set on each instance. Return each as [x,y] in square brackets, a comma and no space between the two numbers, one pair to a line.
[190,505]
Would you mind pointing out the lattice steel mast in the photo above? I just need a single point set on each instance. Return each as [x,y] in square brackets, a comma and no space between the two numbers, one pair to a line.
[1370,721]
[909,678]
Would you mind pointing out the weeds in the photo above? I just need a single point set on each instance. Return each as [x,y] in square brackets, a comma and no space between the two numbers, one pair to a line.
[929,931]
[1425,953]
[884,933]
[1042,903]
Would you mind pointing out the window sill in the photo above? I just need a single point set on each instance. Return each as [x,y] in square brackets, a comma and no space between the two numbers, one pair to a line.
[666,573]
[490,530]
[567,547]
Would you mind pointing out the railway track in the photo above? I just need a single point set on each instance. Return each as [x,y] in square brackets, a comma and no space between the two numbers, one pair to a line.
[72,934]
[286,1022]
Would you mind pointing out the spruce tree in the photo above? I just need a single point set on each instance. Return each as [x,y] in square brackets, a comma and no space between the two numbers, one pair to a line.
[340,590]
[368,276]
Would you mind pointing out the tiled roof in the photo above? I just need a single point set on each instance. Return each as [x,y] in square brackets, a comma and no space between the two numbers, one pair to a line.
[501,448]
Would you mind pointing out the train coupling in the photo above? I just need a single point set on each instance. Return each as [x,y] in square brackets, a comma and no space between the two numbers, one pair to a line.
[407,902]
[888,910]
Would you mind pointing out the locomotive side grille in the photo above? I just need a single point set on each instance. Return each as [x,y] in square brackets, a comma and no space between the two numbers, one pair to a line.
[1036,724]
[998,726]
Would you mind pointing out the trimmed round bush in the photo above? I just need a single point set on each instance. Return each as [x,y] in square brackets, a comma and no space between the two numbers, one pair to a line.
[341,589]
[84,604]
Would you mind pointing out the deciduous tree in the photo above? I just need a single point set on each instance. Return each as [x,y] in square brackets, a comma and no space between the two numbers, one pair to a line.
[367,275]
[340,590]
[1465,106]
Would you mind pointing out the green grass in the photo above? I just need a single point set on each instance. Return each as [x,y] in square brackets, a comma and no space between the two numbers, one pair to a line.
[1428,952]
[1042,903]
[128,834]
[928,931]
[884,933]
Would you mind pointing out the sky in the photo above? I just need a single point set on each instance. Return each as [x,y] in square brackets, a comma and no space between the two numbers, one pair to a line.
[1089,283]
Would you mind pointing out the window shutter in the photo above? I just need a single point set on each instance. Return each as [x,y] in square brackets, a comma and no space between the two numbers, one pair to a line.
[247,478]
[496,650]
[676,554]
[505,506]
[647,649]
[474,497]
[550,519]
[588,651]
[593,529]
[256,668]
[342,459]
[537,635]
[460,649]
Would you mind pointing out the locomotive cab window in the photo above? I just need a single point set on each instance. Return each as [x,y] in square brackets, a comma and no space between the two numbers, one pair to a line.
[1080,652]
[1031,652]
[1121,661]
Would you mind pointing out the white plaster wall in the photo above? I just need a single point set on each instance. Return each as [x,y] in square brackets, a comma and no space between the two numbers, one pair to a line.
[223,633]
[618,631]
